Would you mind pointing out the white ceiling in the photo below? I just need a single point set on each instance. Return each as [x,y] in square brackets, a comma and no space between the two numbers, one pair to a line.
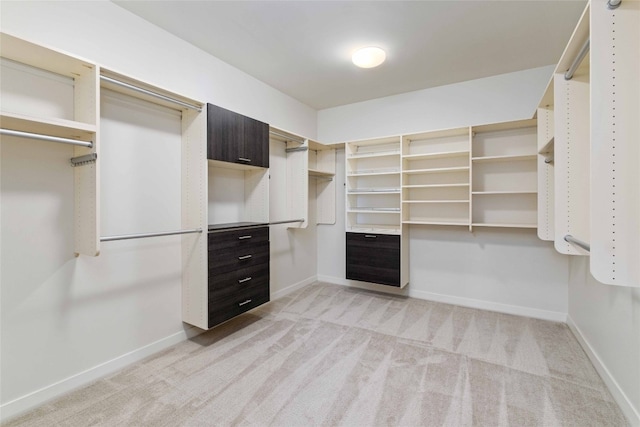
[303,48]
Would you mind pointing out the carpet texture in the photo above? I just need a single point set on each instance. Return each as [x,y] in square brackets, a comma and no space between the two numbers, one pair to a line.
[332,355]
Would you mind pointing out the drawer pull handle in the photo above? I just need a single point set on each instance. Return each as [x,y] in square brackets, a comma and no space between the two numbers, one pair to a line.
[244,257]
[370,236]
[244,302]
[244,159]
[244,237]
[246,279]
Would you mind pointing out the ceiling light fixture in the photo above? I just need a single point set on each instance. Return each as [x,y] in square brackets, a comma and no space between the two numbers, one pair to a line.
[368,57]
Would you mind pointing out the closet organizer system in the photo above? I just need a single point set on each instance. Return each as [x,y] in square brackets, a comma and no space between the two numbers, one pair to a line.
[571,171]
[212,289]
[588,133]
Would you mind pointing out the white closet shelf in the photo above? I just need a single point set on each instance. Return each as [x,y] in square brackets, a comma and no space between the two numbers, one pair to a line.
[375,228]
[375,210]
[373,173]
[322,174]
[506,225]
[372,192]
[439,155]
[503,192]
[436,185]
[509,158]
[48,126]
[368,155]
[435,201]
[41,57]
[436,170]
[426,222]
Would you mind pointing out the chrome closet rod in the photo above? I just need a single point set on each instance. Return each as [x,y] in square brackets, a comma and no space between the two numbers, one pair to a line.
[151,93]
[45,137]
[569,238]
[143,235]
[613,4]
[576,62]
[286,221]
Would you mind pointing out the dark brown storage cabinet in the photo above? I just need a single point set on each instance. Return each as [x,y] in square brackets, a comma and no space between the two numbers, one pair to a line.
[374,258]
[238,264]
[234,138]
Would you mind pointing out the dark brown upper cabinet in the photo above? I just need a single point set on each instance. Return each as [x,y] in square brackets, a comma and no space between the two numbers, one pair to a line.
[234,138]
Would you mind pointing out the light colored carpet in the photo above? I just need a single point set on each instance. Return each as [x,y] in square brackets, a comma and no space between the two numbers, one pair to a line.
[331,355]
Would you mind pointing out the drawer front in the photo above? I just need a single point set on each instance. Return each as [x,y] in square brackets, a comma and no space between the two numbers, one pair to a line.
[373,258]
[224,260]
[234,278]
[230,302]
[237,239]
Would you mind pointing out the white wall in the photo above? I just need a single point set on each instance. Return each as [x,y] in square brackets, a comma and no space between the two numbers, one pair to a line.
[67,320]
[506,97]
[510,271]
[607,321]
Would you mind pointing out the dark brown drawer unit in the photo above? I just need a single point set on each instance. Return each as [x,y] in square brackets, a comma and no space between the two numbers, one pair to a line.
[238,272]
[374,258]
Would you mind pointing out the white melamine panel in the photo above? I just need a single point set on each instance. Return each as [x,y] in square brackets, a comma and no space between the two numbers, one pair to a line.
[297,188]
[615,144]
[546,174]
[194,215]
[446,213]
[571,160]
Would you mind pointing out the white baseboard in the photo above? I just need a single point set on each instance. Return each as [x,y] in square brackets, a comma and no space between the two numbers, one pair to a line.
[32,400]
[632,414]
[517,310]
[294,287]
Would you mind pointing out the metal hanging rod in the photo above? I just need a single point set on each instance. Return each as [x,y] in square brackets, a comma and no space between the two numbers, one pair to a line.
[287,137]
[286,221]
[576,62]
[151,93]
[143,235]
[45,137]
[292,150]
[570,239]
[613,4]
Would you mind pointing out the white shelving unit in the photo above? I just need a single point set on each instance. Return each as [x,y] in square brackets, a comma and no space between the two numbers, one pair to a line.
[373,186]
[504,175]
[435,178]
[34,113]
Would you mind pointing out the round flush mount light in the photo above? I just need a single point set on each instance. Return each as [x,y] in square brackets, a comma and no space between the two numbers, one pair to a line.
[368,57]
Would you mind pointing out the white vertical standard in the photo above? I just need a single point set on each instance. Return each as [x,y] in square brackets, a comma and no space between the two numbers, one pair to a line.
[571,136]
[546,170]
[615,144]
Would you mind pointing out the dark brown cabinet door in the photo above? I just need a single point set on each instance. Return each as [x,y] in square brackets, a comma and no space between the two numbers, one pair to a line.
[232,137]
[225,137]
[256,142]
[373,258]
